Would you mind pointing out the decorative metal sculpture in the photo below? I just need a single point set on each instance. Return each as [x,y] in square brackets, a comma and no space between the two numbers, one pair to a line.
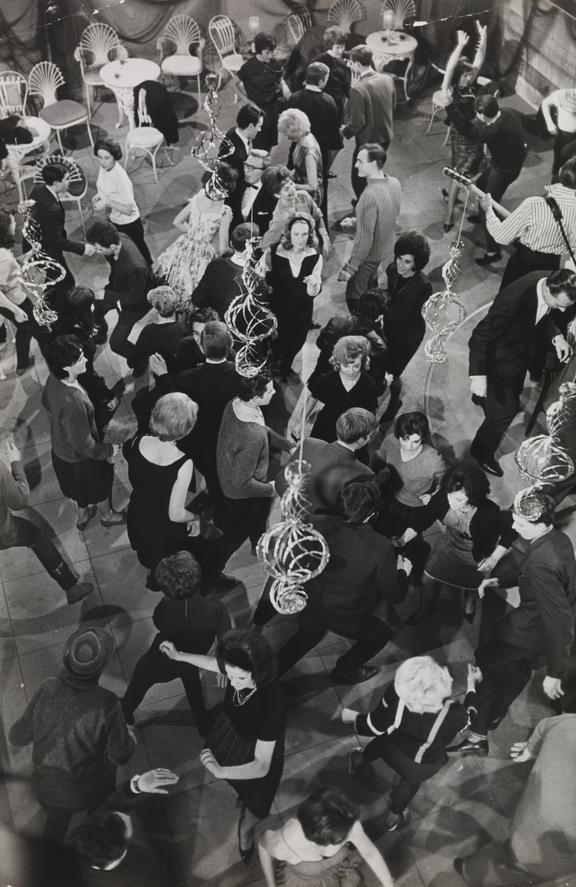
[545,458]
[293,552]
[212,146]
[38,272]
[249,319]
[443,312]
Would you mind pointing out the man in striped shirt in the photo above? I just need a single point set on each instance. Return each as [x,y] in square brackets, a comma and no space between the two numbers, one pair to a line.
[564,129]
[539,240]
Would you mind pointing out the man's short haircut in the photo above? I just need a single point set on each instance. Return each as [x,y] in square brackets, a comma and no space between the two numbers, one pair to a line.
[101,839]
[102,233]
[248,115]
[375,153]
[316,73]
[362,55]
[253,386]
[215,340]
[562,280]
[179,575]
[567,174]
[358,499]
[486,105]
[263,41]
[274,177]
[53,172]
[241,234]
[354,424]
[334,37]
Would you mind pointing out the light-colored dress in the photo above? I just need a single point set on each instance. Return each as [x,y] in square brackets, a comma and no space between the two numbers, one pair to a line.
[183,263]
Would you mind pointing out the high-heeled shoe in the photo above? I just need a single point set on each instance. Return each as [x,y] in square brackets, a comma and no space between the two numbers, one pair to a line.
[247,852]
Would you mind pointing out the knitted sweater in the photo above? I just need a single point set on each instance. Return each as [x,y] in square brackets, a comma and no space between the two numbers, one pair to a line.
[72,426]
[376,215]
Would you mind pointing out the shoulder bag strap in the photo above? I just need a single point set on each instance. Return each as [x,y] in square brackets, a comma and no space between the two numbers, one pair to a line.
[557,213]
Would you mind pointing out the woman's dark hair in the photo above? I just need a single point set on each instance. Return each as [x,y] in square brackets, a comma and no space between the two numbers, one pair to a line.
[255,386]
[372,303]
[467,476]
[101,839]
[227,176]
[109,145]
[242,648]
[81,300]
[191,315]
[334,37]
[179,575]
[299,217]
[327,816]
[7,239]
[486,105]
[241,234]
[263,41]
[63,352]
[102,233]
[411,243]
[338,326]
[412,423]
[274,177]
[358,499]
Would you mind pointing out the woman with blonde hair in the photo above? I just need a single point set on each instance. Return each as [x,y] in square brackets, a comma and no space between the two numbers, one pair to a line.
[413,726]
[306,154]
[164,335]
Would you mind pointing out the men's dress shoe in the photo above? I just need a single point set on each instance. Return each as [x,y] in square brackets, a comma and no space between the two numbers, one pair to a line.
[356,761]
[331,175]
[488,258]
[224,583]
[467,747]
[21,370]
[491,465]
[459,865]
[392,821]
[358,676]
[79,591]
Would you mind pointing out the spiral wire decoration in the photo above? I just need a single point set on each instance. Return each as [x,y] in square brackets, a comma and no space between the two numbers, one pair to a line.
[443,312]
[212,146]
[544,459]
[38,272]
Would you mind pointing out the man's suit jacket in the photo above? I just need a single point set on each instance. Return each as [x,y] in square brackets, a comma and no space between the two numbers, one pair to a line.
[50,215]
[130,278]
[369,113]
[332,467]
[322,111]
[507,341]
[236,160]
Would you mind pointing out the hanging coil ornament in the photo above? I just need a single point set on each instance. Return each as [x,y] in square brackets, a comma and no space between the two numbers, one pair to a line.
[212,146]
[443,312]
[292,551]
[38,272]
[249,319]
[544,459]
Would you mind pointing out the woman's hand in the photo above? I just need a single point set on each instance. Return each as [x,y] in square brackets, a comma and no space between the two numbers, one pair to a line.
[519,752]
[20,316]
[169,650]
[158,365]
[193,527]
[98,203]
[482,30]
[425,498]
[462,39]
[153,781]
[348,715]
[345,274]
[486,583]
[313,285]
[208,760]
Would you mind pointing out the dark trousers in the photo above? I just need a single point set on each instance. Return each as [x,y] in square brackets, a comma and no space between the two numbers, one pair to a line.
[135,231]
[126,319]
[500,406]
[495,182]
[25,332]
[410,775]
[156,668]
[29,536]
[506,669]
[360,283]
[239,519]
[524,260]
[291,335]
[564,147]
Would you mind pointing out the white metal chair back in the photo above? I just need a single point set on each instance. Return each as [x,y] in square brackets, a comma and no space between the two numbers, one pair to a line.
[97,43]
[183,32]
[402,9]
[144,137]
[13,94]
[222,33]
[44,80]
[345,12]
[295,29]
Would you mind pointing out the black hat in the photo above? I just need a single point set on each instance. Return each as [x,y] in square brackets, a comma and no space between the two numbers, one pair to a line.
[88,651]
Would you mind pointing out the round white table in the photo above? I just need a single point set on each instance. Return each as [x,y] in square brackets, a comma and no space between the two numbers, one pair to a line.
[122,77]
[393,46]
[16,153]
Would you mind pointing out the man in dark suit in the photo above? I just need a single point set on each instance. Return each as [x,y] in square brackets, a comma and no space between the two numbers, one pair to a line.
[50,217]
[128,285]
[521,320]
[333,465]
[234,151]
[338,85]
[515,641]
[262,78]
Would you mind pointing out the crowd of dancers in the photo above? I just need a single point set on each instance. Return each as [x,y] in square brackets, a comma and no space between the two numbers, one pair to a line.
[204,469]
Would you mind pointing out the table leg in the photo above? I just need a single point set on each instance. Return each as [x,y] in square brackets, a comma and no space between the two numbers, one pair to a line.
[125,102]
[406,74]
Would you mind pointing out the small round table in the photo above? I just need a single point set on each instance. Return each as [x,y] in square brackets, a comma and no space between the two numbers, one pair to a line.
[122,77]
[393,46]
[16,153]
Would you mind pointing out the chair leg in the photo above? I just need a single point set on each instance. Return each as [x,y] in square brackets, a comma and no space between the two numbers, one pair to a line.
[81,216]
[59,141]
[89,131]
[153,158]
[88,102]
[432,116]
[447,137]
[199,93]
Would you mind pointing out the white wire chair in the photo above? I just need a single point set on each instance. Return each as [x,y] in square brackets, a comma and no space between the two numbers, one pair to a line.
[98,44]
[183,36]
[344,13]
[291,30]
[402,9]
[44,80]
[78,184]
[223,36]
[144,137]
[13,94]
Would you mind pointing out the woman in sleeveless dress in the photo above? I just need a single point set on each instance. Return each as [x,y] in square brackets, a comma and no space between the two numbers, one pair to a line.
[158,521]
[205,223]
[323,846]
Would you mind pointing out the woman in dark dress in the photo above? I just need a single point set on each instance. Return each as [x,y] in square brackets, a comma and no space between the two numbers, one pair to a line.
[159,522]
[245,745]
[347,385]
[413,726]
[162,337]
[404,326]
[294,275]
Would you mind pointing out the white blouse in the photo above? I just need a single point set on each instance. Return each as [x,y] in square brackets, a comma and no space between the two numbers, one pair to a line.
[115,184]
